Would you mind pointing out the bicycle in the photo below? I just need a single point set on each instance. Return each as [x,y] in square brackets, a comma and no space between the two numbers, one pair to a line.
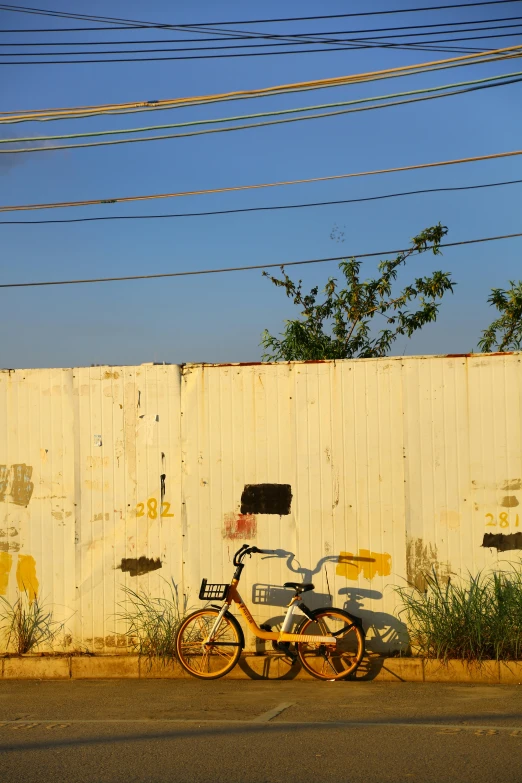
[328,642]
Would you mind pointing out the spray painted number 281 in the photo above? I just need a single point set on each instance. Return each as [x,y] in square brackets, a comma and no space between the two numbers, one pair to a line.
[503,520]
[152,509]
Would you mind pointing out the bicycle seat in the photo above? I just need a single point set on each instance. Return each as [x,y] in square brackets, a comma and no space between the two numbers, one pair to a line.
[299,587]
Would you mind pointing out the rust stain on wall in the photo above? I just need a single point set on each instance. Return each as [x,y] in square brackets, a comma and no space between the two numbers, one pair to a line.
[22,486]
[6,561]
[422,559]
[368,563]
[4,478]
[9,546]
[511,484]
[26,576]
[509,501]
[97,486]
[118,640]
[98,462]
[10,531]
[239,526]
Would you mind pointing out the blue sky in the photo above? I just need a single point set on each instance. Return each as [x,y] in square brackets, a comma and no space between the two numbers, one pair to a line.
[220,318]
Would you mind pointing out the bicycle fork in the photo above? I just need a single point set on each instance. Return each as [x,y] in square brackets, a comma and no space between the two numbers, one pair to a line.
[217,623]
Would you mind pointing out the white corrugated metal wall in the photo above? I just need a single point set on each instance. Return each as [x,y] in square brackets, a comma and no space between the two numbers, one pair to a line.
[113,476]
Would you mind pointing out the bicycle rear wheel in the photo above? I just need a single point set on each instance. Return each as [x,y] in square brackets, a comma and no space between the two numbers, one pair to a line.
[208,660]
[331,662]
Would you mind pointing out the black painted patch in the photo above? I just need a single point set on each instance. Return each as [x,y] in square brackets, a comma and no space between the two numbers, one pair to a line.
[502,542]
[266,499]
[163,480]
[135,566]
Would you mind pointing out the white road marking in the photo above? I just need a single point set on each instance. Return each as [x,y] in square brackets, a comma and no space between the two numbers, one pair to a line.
[442,728]
[267,716]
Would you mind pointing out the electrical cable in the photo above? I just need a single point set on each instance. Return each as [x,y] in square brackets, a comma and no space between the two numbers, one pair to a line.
[134,23]
[249,268]
[331,177]
[278,112]
[273,43]
[408,47]
[492,55]
[11,118]
[249,126]
[287,36]
[264,209]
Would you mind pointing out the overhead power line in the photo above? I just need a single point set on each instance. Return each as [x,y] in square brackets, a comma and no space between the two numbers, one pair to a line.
[139,23]
[264,209]
[266,123]
[247,268]
[296,41]
[331,177]
[287,37]
[11,118]
[118,131]
[493,55]
[409,47]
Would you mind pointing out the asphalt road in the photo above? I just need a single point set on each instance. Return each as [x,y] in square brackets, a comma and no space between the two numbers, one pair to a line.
[184,731]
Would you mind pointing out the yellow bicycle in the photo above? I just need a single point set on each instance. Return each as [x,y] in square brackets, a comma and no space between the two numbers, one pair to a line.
[328,642]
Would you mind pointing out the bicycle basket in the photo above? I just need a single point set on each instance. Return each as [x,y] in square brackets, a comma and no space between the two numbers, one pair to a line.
[210,592]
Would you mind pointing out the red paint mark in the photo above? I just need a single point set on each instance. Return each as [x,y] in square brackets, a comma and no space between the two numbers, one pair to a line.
[238,526]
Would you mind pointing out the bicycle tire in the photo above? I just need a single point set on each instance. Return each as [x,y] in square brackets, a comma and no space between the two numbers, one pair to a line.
[324,662]
[225,651]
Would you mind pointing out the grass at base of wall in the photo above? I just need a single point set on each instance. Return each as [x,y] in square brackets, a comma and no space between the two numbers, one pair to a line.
[27,623]
[473,619]
[152,622]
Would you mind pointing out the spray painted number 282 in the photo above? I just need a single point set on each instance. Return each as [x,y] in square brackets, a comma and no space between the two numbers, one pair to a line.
[152,509]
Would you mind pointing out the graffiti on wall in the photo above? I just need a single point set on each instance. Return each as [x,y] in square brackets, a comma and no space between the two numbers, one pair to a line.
[367,563]
[26,578]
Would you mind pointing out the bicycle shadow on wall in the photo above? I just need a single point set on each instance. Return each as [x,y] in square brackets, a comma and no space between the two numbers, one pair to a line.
[385,633]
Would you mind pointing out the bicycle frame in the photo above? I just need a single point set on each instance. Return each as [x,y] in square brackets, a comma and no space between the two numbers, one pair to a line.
[277,636]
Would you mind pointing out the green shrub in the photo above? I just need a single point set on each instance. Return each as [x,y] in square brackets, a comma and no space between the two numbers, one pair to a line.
[27,623]
[476,618]
[152,623]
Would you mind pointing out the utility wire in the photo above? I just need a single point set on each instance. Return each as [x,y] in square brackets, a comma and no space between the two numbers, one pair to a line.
[191,123]
[152,197]
[11,118]
[297,42]
[135,23]
[228,129]
[493,55]
[264,209]
[248,268]
[424,47]
[287,36]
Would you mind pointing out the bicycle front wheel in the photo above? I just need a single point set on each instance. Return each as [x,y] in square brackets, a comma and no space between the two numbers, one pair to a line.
[207,658]
[331,662]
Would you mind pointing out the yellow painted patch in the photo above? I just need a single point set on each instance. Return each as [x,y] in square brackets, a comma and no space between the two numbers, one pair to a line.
[368,563]
[26,576]
[6,561]
[451,519]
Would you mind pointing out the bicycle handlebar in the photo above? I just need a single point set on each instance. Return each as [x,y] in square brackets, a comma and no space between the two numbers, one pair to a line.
[244,551]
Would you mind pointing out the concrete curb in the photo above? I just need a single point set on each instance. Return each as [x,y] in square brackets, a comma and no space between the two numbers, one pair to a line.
[256,667]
